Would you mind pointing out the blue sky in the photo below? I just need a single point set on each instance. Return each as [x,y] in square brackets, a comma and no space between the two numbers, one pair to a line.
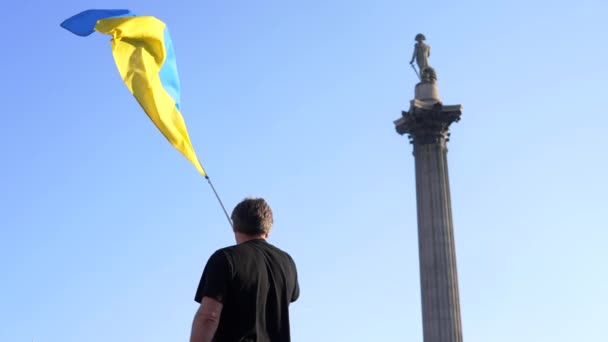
[106,228]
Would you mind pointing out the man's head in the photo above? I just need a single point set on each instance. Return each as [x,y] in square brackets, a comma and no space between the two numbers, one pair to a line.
[252,217]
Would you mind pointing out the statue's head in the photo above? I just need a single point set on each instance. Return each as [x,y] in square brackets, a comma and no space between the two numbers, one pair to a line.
[420,37]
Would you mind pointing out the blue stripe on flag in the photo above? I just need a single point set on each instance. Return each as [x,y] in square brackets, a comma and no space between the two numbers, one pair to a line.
[169,77]
[83,23]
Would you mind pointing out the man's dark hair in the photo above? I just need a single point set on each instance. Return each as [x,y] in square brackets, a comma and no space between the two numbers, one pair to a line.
[252,216]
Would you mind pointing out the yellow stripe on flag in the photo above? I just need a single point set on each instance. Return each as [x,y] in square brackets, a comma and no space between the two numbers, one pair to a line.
[138,46]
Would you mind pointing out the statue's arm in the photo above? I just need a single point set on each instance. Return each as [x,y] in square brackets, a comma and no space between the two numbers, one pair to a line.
[429,52]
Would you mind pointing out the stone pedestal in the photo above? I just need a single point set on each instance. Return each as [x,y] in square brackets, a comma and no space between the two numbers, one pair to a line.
[427,124]
[428,92]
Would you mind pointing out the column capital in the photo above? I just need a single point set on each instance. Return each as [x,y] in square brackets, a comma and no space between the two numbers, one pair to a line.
[428,123]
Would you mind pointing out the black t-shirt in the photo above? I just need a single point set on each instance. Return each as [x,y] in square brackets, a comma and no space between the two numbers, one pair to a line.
[255,281]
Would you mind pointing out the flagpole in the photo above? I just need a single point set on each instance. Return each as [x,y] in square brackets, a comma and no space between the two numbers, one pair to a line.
[219,200]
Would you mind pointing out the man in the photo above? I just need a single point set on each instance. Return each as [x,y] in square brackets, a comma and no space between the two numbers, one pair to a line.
[246,289]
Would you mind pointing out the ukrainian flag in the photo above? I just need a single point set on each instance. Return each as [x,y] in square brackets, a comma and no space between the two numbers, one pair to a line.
[143,52]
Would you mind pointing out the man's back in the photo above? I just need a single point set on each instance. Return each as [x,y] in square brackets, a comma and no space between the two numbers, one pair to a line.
[255,281]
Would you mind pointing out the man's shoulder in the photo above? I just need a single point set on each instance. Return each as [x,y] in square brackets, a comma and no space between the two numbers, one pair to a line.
[248,248]
[232,252]
[269,246]
[282,253]
[222,256]
[279,250]
[253,247]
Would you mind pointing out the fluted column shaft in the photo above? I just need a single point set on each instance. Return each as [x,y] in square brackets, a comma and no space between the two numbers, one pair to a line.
[428,129]
[438,273]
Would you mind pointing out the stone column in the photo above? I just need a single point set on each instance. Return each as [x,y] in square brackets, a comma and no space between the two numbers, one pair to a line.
[427,125]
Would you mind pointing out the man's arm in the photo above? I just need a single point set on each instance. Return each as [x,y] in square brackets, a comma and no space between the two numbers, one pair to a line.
[206,320]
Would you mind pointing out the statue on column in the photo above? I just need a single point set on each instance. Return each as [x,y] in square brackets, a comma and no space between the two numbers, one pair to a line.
[421,55]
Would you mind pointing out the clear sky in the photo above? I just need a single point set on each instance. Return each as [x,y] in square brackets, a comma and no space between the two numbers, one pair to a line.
[105,228]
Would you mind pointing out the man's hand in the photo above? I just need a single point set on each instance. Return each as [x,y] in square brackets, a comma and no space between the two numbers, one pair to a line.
[206,320]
